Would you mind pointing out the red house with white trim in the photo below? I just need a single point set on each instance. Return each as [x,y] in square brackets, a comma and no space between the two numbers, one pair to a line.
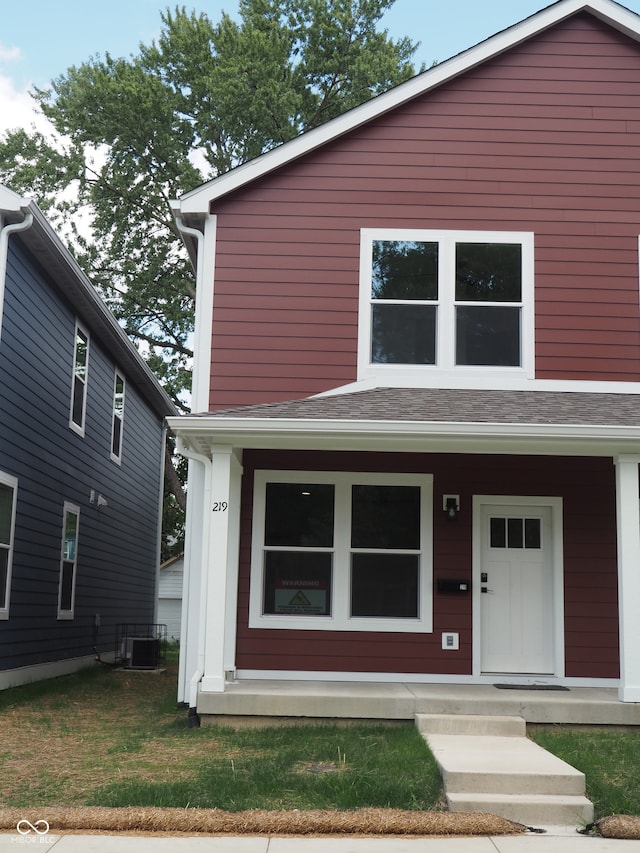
[416,434]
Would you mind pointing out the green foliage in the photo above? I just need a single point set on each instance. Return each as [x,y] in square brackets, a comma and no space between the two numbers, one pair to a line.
[130,135]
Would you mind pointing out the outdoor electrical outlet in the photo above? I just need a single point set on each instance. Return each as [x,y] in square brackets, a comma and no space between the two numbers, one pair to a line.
[451,642]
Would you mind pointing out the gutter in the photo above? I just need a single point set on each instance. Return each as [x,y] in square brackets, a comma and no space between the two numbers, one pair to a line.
[5,233]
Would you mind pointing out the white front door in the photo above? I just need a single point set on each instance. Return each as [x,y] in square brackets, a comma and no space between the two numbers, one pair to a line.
[516,580]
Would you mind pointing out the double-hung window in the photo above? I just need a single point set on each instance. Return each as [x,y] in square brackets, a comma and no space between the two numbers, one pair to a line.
[341,551]
[446,301]
[118,417]
[79,380]
[8,492]
[68,561]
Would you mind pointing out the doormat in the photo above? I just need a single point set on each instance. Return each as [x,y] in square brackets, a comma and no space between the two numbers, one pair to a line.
[531,687]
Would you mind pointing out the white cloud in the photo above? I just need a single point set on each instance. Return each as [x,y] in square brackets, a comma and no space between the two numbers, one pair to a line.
[9,54]
[17,108]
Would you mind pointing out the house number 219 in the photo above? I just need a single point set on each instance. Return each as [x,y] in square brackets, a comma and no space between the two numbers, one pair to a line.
[220,506]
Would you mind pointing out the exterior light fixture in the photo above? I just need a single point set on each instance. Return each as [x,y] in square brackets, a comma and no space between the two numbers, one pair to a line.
[451,505]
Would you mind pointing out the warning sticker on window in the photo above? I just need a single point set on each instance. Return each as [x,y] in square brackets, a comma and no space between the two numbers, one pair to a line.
[303,597]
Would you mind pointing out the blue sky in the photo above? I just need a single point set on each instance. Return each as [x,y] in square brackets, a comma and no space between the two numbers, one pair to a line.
[41,39]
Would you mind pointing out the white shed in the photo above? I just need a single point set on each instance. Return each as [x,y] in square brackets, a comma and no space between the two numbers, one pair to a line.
[170,596]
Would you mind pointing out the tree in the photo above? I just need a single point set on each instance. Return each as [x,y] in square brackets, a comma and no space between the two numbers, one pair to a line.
[129,135]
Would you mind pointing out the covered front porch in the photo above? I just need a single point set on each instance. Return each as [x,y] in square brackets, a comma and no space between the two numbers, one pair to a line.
[252,699]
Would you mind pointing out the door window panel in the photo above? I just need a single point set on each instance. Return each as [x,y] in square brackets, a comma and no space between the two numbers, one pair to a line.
[515,532]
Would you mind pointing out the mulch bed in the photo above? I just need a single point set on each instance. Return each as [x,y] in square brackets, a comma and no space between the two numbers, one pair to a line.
[258,822]
[615,826]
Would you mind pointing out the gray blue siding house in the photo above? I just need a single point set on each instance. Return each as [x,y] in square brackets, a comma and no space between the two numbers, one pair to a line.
[81,460]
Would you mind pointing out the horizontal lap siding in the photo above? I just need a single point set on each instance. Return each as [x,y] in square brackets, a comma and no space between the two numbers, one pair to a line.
[590,574]
[543,139]
[117,545]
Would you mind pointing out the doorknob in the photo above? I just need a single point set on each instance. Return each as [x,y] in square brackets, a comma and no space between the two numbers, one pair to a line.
[484,589]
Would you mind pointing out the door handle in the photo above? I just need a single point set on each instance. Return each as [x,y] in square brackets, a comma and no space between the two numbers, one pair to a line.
[484,589]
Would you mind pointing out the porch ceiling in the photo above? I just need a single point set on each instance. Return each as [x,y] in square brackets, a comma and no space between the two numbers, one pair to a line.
[428,420]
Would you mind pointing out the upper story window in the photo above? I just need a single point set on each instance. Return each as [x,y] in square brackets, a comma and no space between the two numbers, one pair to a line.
[341,551]
[118,417]
[457,302]
[79,381]
[8,492]
[68,561]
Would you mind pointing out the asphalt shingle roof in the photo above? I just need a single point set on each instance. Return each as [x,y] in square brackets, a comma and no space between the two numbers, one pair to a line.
[454,406]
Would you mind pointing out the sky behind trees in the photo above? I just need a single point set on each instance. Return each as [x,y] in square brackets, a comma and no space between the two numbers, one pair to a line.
[41,40]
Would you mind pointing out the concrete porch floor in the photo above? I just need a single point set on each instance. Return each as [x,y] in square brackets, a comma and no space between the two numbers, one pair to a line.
[402,701]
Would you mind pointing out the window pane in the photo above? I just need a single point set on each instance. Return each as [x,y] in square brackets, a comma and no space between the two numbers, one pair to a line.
[117,428]
[384,585]
[299,515]
[498,533]
[70,535]
[403,334]
[66,586]
[4,567]
[6,512]
[78,400]
[298,583]
[404,269]
[80,366]
[385,517]
[532,537]
[488,272]
[488,336]
[515,529]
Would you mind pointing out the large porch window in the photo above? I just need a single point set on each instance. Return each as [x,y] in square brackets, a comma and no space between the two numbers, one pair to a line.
[341,551]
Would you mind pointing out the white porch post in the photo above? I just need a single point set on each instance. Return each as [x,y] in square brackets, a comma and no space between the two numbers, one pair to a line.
[222,568]
[628,523]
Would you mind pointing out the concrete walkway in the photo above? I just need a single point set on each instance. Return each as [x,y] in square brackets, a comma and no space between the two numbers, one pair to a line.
[555,841]
[489,765]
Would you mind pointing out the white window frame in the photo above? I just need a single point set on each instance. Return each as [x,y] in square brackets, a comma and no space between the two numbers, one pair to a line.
[445,368]
[340,620]
[79,428]
[12,483]
[69,509]
[118,414]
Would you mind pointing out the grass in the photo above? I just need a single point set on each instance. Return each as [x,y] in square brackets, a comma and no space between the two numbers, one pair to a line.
[609,757]
[116,738]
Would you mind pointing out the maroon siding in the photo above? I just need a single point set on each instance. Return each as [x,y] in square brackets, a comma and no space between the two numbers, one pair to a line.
[543,138]
[591,624]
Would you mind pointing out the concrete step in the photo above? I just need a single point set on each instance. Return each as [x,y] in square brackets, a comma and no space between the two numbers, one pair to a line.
[531,810]
[486,767]
[490,764]
[471,724]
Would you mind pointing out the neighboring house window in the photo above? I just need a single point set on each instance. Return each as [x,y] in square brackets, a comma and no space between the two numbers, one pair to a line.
[8,492]
[118,418]
[455,301]
[342,551]
[79,386]
[68,561]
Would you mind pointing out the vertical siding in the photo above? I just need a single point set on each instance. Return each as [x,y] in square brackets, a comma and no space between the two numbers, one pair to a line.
[543,138]
[117,547]
[590,596]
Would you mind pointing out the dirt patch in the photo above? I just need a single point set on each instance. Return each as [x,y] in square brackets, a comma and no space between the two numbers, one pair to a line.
[378,822]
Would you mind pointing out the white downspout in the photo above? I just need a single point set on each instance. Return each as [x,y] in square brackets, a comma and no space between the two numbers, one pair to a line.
[5,233]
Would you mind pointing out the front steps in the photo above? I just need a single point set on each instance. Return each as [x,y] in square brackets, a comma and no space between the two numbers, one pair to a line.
[489,765]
